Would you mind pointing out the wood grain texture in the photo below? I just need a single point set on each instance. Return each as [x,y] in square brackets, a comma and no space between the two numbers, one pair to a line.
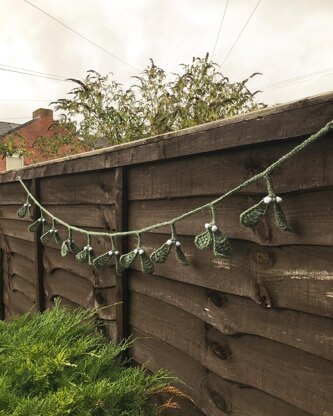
[309,214]
[294,376]
[211,394]
[295,119]
[236,315]
[218,172]
[295,277]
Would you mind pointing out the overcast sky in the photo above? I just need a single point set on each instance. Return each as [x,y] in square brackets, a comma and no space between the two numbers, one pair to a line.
[284,39]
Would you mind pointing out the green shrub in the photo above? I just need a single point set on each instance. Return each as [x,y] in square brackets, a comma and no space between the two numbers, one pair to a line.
[59,363]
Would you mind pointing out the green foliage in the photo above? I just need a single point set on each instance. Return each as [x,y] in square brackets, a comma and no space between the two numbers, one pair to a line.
[102,112]
[58,363]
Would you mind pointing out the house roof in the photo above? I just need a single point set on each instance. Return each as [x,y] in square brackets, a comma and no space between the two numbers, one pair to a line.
[5,126]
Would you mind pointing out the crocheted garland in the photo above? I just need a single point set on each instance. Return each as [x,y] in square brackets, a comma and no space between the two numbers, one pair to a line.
[212,237]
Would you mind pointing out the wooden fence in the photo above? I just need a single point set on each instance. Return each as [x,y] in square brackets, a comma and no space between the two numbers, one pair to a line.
[209,322]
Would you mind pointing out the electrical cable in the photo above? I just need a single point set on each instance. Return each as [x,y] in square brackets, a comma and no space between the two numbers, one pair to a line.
[32,74]
[82,36]
[33,71]
[240,33]
[220,28]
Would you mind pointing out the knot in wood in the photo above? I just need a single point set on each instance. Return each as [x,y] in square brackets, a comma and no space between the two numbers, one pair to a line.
[220,402]
[220,351]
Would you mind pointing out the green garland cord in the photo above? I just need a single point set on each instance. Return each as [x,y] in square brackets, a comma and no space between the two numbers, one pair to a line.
[264,174]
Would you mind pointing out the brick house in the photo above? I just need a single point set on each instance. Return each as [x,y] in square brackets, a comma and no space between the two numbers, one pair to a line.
[42,119]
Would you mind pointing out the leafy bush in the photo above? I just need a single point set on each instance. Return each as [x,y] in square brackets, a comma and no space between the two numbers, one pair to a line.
[100,112]
[58,363]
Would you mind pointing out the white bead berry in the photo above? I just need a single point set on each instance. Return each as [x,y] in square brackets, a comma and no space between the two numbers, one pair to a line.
[207,225]
[55,231]
[141,251]
[51,231]
[26,204]
[29,205]
[116,253]
[178,243]
[110,253]
[135,250]
[214,228]
[169,242]
[85,248]
[278,199]
[90,248]
[267,199]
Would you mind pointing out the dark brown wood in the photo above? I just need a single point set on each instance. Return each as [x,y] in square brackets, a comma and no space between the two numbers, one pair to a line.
[237,315]
[296,277]
[273,370]
[121,280]
[38,252]
[295,119]
[213,395]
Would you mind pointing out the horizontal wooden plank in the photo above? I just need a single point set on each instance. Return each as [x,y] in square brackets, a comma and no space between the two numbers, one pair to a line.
[17,229]
[19,284]
[275,123]
[85,188]
[15,264]
[13,193]
[294,376]
[295,277]
[309,214]
[15,245]
[211,394]
[99,278]
[235,315]
[219,172]
[17,302]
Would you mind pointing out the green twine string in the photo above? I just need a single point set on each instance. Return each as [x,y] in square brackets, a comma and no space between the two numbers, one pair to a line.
[264,174]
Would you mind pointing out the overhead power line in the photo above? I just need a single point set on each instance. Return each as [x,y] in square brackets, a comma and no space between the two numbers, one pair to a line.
[82,36]
[220,28]
[31,74]
[33,71]
[240,33]
[24,100]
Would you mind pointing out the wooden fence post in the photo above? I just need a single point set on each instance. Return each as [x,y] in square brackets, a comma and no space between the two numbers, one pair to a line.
[121,221]
[38,252]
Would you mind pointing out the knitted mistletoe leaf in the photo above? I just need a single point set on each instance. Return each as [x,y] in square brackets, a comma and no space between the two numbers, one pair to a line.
[57,238]
[147,266]
[127,259]
[280,218]
[91,257]
[46,237]
[82,256]
[119,267]
[221,245]
[22,212]
[252,216]
[65,248]
[181,257]
[103,260]
[203,240]
[35,225]
[161,254]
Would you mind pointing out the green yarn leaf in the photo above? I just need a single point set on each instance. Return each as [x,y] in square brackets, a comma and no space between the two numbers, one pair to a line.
[46,237]
[127,259]
[119,267]
[161,254]
[203,240]
[252,216]
[65,248]
[82,256]
[91,257]
[147,266]
[35,225]
[181,257]
[103,260]
[22,212]
[57,238]
[280,218]
[221,245]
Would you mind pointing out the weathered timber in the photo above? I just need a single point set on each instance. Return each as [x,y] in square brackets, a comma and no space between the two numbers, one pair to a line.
[211,394]
[121,214]
[217,173]
[15,264]
[294,376]
[99,278]
[294,119]
[17,302]
[237,315]
[84,188]
[2,305]
[13,245]
[309,214]
[295,277]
